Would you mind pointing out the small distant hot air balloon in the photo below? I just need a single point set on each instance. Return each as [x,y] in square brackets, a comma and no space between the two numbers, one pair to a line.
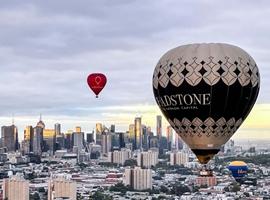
[96,82]
[206,91]
[239,170]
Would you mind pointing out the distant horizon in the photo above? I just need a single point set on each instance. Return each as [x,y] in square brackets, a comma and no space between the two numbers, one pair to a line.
[245,132]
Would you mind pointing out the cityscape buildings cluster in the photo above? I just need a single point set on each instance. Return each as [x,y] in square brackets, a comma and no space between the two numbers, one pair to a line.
[50,164]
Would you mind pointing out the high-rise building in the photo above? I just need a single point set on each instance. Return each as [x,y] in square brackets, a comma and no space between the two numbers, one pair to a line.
[138,179]
[9,137]
[145,136]
[25,147]
[179,158]
[62,189]
[60,142]
[99,131]
[119,157]
[78,141]
[15,188]
[94,150]
[115,140]
[68,140]
[41,123]
[57,128]
[122,142]
[106,144]
[29,137]
[131,135]
[179,144]
[38,140]
[112,129]
[78,129]
[90,137]
[138,132]
[159,126]
[163,145]
[147,159]
[153,142]
[169,135]
[49,138]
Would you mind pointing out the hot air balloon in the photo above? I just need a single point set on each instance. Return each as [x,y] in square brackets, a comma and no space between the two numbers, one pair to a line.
[239,170]
[206,91]
[96,82]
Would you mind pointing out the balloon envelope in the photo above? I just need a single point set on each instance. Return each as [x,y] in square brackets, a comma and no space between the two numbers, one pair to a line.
[96,82]
[239,169]
[206,91]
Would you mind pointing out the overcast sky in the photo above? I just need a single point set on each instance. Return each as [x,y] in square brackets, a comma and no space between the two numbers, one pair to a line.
[48,48]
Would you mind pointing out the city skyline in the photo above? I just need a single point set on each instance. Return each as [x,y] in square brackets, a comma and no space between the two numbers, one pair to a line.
[247,131]
[50,59]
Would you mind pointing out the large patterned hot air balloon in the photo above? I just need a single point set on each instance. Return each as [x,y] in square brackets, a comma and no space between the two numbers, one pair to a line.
[96,82]
[206,91]
[239,170]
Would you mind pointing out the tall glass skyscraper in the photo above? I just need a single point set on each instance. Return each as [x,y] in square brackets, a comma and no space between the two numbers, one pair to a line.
[9,135]
[159,126]
[131,135]
[138,132]
[99,130]
[57,128]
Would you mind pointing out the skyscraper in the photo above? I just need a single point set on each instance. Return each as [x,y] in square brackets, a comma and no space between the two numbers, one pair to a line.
[122,142]
[60,141]
[78,129]
[90,137]
[57,128]
[145,136]
[106,144]
[131,135]
[115,140]
[159,126]
[41,123]
[49,138]
[78,140]
[138,132]
[68,140]
[99,130]
[38,140]
[112,129]
[28,137]
[9,136]
[153,142]
[169,135]
[178,142]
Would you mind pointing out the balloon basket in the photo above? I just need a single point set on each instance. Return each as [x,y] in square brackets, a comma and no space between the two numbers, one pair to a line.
[205,171]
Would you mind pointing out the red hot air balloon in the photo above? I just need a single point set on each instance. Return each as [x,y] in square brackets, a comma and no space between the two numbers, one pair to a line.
[96,82]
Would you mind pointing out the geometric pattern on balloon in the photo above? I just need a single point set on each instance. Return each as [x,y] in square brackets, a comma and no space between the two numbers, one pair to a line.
[208,127]
[193,76]
[208,70]
[211,75]
[177,76]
